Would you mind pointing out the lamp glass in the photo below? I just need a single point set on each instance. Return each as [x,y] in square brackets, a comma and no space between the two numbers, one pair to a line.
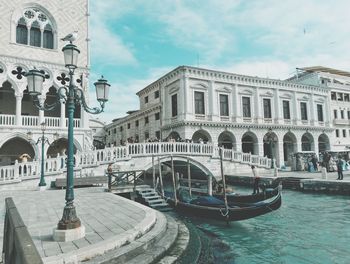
[35,81]
[43,126]
[71,53]
[102,90]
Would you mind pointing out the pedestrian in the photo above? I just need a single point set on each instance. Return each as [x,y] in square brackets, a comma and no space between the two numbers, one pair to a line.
[314,162]
[256,180]
[340,168]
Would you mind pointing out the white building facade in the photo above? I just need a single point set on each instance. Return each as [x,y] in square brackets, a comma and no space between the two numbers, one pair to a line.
[30,37]
[262,116]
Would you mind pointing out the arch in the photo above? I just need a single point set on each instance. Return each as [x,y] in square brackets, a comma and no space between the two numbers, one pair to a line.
[289,148]
[59,146]
[250,143]
[307,142]
[201,135]
[173,135]
[323,143]
[14,148]
[184,159]
[7,99]
[227,140]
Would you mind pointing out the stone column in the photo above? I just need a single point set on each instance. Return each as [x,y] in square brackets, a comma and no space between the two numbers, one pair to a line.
[239,143]
[257,113]
[278,109]
[295,117]
[212,102]
[18,109]
[63,114]
[237,109]
[312,110]
[280,157]
[260,146]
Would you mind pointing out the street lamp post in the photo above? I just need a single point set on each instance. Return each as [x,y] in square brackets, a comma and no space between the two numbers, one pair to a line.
[271,151]
[72,95]
[42,140]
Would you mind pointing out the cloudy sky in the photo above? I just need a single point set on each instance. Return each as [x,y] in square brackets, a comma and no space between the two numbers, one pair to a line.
[135,42]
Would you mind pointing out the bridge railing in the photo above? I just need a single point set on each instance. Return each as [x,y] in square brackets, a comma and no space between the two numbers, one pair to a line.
[91,158]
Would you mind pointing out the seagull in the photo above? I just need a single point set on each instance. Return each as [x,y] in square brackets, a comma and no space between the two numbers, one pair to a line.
[71,37]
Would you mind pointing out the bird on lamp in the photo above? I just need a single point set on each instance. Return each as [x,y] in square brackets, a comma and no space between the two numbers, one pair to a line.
[71,37]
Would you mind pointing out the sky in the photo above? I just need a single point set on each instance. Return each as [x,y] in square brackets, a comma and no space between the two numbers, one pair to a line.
[133,43]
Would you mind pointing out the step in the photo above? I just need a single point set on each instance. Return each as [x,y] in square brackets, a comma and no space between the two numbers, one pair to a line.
[147,249]
[157,201]
[158,206]
[152,197]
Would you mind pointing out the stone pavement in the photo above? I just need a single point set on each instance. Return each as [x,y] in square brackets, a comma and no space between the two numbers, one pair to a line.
[110,221]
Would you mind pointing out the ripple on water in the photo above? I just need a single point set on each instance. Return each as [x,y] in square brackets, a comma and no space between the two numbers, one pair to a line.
[308,228]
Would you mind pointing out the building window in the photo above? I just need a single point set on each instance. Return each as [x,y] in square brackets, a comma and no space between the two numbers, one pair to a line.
[137,123]
[303,111]
[109,132]
[22,32]
[40,29]
[48,37]
[137,138]
[267,108]
[348,114]
[158,134]
[340,96]
[128,125]
[199,103]
[320,113]
[346,97]
[246,107]
[335,114]
[333,95]
[35,34]
[121,129]
[146,99]
[156,94]
[337,132]
[224,105]
[146,120]
[174,105]
[342,114]
[286,110]
[344,133]
[157,116]
[146,135]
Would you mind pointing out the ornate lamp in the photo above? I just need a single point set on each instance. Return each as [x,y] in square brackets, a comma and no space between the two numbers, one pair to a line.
[35,82]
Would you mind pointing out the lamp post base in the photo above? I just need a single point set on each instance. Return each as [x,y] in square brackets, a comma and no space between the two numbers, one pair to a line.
[69,234]
[42,188]
[69,219]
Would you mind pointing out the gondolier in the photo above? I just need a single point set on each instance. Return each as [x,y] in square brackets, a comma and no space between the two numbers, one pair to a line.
[256,180]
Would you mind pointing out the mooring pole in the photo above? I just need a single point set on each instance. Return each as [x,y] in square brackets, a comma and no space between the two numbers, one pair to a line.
[153,172]
[173,176]
[160,177]
[223,180]
[189,176]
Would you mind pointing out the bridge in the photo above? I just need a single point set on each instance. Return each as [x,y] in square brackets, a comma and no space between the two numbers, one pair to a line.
[204,158]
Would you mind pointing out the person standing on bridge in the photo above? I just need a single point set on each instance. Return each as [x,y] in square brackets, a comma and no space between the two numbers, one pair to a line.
[340,168]
[256,180]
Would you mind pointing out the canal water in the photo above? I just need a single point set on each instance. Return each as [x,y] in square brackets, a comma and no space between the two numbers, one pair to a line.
[308,228]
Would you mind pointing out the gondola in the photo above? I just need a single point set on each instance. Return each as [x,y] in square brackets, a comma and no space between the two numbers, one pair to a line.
[244,198]
[213,208]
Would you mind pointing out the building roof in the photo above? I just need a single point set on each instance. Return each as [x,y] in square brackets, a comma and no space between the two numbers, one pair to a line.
[325,69]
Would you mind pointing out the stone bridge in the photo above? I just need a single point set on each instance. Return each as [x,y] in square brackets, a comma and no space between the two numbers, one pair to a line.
[204,158]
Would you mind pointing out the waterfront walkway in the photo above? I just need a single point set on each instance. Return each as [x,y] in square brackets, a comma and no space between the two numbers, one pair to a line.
[110,221]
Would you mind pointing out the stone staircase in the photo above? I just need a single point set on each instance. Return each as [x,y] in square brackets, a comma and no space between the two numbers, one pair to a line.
[151,198]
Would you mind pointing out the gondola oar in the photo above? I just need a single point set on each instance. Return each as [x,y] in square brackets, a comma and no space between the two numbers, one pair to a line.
[226,214]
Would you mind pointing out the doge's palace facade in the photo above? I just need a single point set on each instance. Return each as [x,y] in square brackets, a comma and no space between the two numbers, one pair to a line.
[30,37]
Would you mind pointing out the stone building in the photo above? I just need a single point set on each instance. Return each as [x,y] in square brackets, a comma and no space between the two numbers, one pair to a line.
[267,117]
[30,37]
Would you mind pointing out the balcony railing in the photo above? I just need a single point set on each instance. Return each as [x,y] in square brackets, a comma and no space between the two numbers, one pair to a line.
[33,121]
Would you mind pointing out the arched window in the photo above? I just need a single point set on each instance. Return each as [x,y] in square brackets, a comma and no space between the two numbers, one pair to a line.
[48,37]
[22,31]
[41,29]
[35,34]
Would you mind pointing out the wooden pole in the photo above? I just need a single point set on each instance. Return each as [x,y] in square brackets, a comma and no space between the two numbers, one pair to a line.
[154,172]
[173,175]
[223,179]
[160,177]
[189,176]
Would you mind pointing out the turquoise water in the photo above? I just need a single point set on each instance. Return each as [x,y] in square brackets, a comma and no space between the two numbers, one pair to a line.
[308,228]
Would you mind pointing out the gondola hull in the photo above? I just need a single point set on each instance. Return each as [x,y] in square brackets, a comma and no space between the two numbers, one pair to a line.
[234,213]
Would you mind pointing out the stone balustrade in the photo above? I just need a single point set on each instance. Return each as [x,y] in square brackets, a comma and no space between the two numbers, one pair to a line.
[88,159]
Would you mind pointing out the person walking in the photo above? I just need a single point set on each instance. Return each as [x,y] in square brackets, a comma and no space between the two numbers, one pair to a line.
[340,169]
[256,180]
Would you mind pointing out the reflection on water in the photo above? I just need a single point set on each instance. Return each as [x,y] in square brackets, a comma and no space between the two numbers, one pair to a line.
[308,228]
